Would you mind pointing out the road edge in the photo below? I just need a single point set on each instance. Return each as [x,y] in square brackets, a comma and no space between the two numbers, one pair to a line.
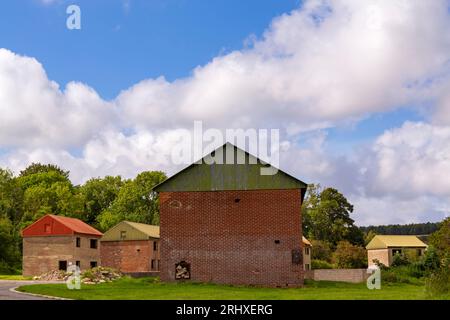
[37,295]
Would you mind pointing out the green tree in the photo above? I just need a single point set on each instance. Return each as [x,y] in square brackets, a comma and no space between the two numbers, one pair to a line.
[326,216]
[349,256]
[135,202]
[440,240]
[47,189]
[321,250]
[97,195]
[43,168]
[9,251]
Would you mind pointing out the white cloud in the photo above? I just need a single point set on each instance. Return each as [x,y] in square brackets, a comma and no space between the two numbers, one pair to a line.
[327,63]
[35,112]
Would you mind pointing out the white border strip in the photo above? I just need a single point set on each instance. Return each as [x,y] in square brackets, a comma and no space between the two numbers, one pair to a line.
[36,294]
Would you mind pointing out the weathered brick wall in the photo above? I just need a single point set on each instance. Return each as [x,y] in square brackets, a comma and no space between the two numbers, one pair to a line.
[343,275]
[382,255]
[224,240]
[42,254]
[129,255]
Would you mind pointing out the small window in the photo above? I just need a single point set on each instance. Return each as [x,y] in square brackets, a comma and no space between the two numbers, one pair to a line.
[47,228]
[277,241]
[307,251]
[78,242]
[93,264]
[237,200]
[123,235]
[154,264]
[419,252]
[78,264]
[307,266]
[155,246]
[93,243]
[62,265]
[396,251]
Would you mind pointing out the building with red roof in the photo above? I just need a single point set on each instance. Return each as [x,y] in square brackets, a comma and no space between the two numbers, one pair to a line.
[55,242]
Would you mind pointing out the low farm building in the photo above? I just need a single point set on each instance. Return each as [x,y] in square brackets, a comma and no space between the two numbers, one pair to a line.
[131,247]
[56,242]
[382,248]
[223,220]
[307,246]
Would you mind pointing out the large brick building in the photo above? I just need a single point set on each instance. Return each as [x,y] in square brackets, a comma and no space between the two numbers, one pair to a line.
[228,223]
[55,242]
[131,248]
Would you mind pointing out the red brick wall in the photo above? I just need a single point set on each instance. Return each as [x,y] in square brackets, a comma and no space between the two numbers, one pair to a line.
[232,242]
[129,256]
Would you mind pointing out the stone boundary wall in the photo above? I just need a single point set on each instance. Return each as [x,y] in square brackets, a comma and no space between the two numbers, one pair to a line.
[343,275]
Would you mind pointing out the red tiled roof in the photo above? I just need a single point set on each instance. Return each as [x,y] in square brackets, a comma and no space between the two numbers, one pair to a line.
[76,225]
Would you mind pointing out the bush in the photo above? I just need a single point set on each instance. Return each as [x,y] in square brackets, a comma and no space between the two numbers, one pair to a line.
[399,260]
[321,250]
[321,264]
[349,256]
[438,283]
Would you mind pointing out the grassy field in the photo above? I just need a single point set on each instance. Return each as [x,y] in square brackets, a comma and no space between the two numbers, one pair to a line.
[151,289]
[14,277]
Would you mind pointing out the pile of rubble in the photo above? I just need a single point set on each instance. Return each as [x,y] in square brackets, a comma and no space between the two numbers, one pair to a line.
[91,276]
[56,275]
[100,275]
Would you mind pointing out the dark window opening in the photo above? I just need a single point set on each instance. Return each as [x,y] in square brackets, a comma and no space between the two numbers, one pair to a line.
[155,246]
[307,267]
[123,235]
[182,270]
[419,252]
[237,200]
[93,243]
[78,242]
[277,241]
[307,251]
[155,265]
[297,257]
[93,264]
[62,265]
[78,264]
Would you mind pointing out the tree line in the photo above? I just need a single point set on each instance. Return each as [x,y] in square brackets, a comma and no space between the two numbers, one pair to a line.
[406,229]
[44,188]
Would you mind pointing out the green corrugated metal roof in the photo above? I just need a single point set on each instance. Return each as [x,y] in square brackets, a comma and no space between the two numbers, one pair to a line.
[201,176]
[395,241]
[131,231]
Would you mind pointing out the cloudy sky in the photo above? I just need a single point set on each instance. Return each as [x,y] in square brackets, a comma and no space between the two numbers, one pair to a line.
[359,89]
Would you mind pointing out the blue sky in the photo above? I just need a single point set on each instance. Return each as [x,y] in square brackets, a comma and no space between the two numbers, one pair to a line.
[127,41]
[334,76]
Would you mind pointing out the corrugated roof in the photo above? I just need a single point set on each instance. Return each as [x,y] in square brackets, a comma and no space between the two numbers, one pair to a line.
[207,175]
[148,229]
[306,241]
[127,230]
[394,241]
[76,225]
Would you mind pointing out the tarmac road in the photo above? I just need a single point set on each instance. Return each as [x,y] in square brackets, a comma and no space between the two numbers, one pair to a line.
[6,294]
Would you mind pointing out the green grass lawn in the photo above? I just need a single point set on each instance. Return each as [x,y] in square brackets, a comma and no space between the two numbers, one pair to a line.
[14,277]
[151,289]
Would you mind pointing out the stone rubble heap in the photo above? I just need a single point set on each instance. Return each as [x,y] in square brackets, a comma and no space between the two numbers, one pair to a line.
[91,276]
[100,275]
